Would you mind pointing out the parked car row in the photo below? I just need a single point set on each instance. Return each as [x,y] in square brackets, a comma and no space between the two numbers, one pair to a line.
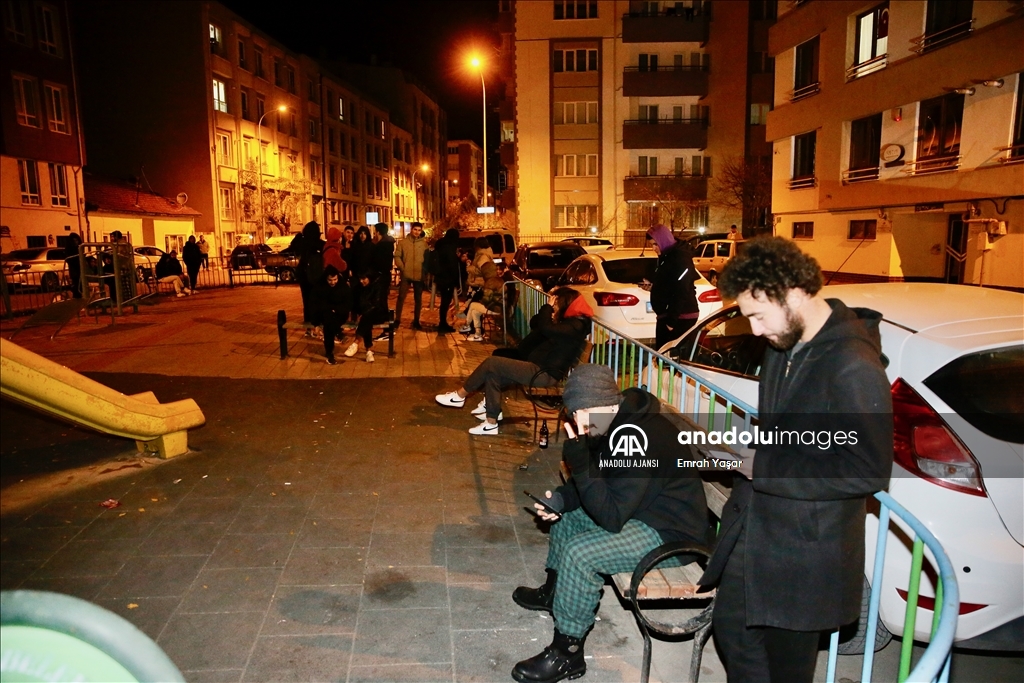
[40,267]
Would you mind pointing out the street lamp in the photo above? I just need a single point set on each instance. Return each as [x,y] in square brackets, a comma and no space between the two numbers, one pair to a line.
[415,195]
[475,62]
[259,156]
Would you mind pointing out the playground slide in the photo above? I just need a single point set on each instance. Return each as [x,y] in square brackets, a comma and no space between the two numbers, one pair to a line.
[49,387]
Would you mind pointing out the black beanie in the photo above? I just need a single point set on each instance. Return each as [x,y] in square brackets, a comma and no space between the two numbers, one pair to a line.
[590,386]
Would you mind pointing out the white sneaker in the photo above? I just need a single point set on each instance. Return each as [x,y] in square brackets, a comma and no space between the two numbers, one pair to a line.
[369,356]
[481,407]
[465,329]
[484,429]
[351,350]
[181,294]
[483,416]
[450,400]
[476,338]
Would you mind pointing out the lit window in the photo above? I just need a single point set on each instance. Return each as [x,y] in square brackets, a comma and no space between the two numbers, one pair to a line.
[220,100]
[215,39]
[26,101]
[314,170]
[871,40]
[49,41]
[28,175]
[759,114]
[227,203]
[341,108]
[224,149]
[58,185]
[56,108]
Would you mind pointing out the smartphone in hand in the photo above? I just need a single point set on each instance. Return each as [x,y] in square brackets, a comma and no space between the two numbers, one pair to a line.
[569,430]
[547,508]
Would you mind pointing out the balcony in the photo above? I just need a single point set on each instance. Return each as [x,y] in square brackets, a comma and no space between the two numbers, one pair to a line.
[803,183]
[860,175]
[936,39]
[665,134]
[665,81]
[690,25]
[681,188]
[804,92]
[935,164]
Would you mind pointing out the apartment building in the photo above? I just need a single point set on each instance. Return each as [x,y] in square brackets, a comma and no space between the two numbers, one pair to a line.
[626,111]
[506,100]
[898,135]
[465,170]
[404,172]
[41,146]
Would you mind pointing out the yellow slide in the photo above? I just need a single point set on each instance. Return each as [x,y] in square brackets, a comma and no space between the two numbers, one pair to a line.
[49,387]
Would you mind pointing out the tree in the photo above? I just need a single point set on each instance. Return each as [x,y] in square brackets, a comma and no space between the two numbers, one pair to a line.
[745,184]
[282,204]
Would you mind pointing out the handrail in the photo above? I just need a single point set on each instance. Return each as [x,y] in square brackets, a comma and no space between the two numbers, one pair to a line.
[928,41]
[801,183]
[859,175]
[703,121]
[938,164]
[674,67]
[635,365]
[805,91]
[866,67]
[1015,156]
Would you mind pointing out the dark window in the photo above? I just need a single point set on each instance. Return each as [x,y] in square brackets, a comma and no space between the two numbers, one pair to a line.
[803,155]
[630,271]
[257,54]
[278,75]
[242,61]
[941,123]
[763,9]
[872,34]
[865,141]
[862,230]
[246,114]
[946,19]
[1017,150]
[35,241]
[803,229]
[805,80]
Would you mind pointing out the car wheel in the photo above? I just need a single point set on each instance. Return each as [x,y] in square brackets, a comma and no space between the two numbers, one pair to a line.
[853,638]
[49,282]
[286,275]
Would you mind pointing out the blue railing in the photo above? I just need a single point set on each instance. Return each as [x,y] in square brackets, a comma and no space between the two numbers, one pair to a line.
[637,365]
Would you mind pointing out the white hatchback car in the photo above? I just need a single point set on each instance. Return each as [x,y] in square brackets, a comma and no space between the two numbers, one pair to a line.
[955,359]
[611,283]
[591,245]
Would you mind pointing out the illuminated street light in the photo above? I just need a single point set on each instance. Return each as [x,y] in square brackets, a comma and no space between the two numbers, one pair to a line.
[259,155]
[475,62]
[415,195]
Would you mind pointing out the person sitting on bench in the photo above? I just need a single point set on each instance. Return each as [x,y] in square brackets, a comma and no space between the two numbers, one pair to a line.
[560,330]
[374,311]
[332,300]
[168,269]
[625,497]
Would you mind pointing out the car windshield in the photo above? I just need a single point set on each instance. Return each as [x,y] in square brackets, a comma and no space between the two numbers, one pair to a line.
[24,255]
[551,257]
[630,271]
[984,389]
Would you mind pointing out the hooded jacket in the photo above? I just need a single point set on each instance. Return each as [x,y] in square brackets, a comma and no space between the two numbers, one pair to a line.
[307,244]
[673,293]
[666,498]
[382,256]
[447,257]
[409,255]
[332,251]
[803,512]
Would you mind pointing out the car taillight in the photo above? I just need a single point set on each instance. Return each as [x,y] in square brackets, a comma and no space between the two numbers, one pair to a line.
[710,296]
[925,445]
[615,299]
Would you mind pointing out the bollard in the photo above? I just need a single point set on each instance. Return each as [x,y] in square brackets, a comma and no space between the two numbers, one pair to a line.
[282,334]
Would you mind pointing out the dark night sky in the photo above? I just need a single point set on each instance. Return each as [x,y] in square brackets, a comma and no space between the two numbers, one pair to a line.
[429,38]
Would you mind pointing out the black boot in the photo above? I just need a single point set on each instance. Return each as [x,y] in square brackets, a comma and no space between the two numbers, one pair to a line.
[562,659]
[539,599]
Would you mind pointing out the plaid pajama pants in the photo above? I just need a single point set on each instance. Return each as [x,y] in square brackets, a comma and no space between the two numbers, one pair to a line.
[581,552]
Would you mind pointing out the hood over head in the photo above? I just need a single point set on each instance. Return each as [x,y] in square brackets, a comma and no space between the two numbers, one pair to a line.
[662,236]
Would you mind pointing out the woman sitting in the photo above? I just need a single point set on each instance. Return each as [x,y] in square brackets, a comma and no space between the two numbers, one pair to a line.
[482,274]
[545,356]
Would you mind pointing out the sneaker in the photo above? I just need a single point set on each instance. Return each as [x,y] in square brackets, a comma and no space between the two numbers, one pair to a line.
[382,336]
[476,338]
[369,356]
[451,399]
[331,361]
[465,329]
[181,294]
[481,407]
[484,429]
[483,416]
[351,350]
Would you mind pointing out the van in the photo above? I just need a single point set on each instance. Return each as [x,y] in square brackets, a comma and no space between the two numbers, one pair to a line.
[503,244]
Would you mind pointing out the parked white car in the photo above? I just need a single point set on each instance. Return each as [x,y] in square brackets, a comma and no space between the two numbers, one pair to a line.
[710,256]
[611,283]
[146,258]
[36,268]
[591,245]
[956,363]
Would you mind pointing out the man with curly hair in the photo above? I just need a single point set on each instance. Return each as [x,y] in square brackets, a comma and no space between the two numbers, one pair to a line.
[790,556]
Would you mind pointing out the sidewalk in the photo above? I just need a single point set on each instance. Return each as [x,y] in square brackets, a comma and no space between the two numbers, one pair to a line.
[319,530]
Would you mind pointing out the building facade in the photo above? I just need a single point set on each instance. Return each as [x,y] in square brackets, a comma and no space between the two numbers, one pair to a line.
[898,134]
[465,170]
[41,147]
[627,113]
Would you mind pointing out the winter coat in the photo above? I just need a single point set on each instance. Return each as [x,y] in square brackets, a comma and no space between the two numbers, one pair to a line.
[191,255]
[361,252]
[803,512]
[167,266]
[447,257]
[409,255]
[673,293]
[307,244]
[555,346]
[336,299]
[667,498]
[382,256]
[332,251]
[483,267]
[370,295]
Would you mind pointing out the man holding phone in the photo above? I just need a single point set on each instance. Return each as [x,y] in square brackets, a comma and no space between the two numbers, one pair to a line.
[625,497]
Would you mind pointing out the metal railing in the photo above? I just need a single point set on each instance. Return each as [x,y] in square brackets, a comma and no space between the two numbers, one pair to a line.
[802,183]
[870,66]
[1015,154]
[702,121]
[637,365]
[668,67]
[930,41]
[942,164]
[860,175]
[805,91]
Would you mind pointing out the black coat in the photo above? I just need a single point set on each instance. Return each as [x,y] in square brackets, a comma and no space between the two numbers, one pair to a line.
[803,512]
[167,266]
[552,346]
[191,255]
[382,255]
[673,293]
[448,265]
[361,257]
[668,499]
[336,299]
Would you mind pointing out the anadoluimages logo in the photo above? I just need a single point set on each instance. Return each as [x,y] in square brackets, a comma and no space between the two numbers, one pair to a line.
[628,441]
